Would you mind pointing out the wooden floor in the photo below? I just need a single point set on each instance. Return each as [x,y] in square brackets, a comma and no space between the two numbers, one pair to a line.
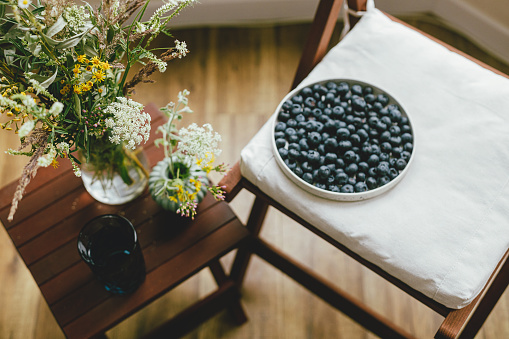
[237,76]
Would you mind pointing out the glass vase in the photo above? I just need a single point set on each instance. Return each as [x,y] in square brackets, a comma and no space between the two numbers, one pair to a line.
[116,179]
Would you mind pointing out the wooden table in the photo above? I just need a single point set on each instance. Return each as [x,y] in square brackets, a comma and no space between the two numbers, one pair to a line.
[45,230]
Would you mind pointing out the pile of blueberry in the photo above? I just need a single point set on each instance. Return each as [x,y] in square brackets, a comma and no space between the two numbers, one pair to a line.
[343,137]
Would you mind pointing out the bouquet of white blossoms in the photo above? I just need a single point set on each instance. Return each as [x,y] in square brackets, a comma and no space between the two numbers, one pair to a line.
[64,81]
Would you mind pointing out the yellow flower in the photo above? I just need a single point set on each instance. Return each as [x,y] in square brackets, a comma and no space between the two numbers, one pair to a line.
[77,89]
[99,76]
[95,61]
[54,163]
[62,81]
[100,90]
[105,65]
[88,68]
[82,58]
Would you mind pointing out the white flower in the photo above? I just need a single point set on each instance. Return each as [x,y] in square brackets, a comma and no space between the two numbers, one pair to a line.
[56,108]
[47,159]
[24,3]
[26,128]
[200,142]
[181,48]
[75,16]
[63,147]
[128,123]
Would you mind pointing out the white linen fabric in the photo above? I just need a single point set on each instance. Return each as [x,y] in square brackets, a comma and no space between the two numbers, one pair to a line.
[444,227]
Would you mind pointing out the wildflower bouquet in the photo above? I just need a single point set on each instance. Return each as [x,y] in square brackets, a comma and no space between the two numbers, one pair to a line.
[180,181]
[64,80]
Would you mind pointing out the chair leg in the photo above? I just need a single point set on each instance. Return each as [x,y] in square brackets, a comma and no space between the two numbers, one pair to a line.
[254,225]
[235,307]
[475,314]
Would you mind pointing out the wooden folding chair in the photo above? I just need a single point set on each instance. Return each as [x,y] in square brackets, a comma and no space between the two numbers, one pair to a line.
[461,322]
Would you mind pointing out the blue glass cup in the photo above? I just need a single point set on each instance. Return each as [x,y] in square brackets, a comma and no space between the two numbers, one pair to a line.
[109,245]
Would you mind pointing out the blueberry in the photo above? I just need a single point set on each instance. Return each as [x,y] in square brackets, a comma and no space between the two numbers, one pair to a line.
[375,149]
[323,172]
[338,112]
[361,176]
[406,137]
[358,104]
[383,99]
[393,173]
[383,168]
[361,187]
[363,134]
[298,171]
[290,131]
[300,118]
[314,139]
[383,180]
[395,141]
[306,111]
[341,178]
[310,102]
[349,156]
[385,146]
[325,136]
[371,183]
[293,138]
[317,112]
[367,90]
[352,128]
[331,85]
[283,116]
[363,166]
[329,98]
[384,112]
[355,139]
[386,120]
[320,89]
[307,177]
[340,163]
[321,186]
[343,88]
[306,167]
[280,127]
[373,160]
[356,89]
[406,128]
[351,169]
[291,163]
[319,126]
[303,143]
[343,134]
[408,147]
[405,155]
[385,136]
[331,158]
[372,172]
[395,130]
[396,151]
[279,135]
[347,189]
[344,145]
[306,92]
[295,110]
[301,132]
[287,105]
[334,188]
[280,143]
[294,146]
[321,149]
[283,152]
[293,154]
[351,181]
[330,126]
[370,98]
[332,167]
[377,106]
[380,126]
[403,121]
[401,164]
[385,157]
[395,115]
[313,157]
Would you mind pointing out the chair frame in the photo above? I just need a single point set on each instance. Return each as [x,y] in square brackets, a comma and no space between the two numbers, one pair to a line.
[461,323]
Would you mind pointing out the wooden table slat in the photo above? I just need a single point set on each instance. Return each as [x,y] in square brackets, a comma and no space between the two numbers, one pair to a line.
[168,244]
[161,280]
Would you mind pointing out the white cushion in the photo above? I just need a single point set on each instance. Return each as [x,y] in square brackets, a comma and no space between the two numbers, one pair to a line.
[444,227]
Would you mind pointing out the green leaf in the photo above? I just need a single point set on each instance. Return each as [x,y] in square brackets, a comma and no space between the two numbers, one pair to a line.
[50,80]
[56,27]
[77,105]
